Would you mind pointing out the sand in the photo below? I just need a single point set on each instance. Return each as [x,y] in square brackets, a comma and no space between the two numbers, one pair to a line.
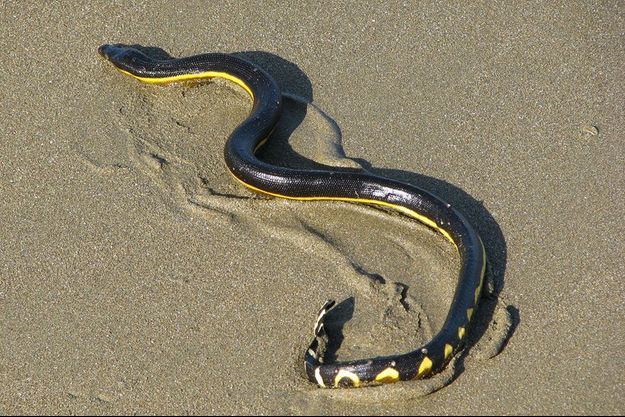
[138,277]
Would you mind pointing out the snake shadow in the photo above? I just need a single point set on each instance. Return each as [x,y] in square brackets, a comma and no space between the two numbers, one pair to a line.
[294,83]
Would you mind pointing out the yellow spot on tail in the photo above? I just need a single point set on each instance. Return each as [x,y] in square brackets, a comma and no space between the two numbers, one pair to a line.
[388,375]
[349,375]
[470,314]
[461,333]
[478,290]
[448,351]
[318,378]
[425,367]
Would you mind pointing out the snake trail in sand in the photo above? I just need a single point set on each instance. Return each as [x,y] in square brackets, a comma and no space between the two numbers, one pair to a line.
[341,184]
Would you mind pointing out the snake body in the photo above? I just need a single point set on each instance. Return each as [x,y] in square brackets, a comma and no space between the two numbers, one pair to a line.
[343,184]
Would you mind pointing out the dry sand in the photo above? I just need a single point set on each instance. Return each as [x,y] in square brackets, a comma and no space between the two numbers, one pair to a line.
[137,277]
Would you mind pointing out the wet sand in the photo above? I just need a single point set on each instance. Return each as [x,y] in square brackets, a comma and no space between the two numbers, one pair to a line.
[138,277]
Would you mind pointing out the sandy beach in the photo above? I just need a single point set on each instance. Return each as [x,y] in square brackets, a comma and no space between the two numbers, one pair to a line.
[137,277]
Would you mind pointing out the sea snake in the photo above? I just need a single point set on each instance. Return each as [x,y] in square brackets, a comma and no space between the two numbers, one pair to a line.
[340,184]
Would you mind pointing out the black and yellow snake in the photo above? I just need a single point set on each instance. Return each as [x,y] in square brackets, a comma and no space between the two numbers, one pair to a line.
[342,184]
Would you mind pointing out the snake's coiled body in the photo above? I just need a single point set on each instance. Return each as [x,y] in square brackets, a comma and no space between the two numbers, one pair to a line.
[342,184]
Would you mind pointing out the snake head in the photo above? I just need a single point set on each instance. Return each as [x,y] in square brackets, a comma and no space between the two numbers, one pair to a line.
[113,52]
[125,57]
